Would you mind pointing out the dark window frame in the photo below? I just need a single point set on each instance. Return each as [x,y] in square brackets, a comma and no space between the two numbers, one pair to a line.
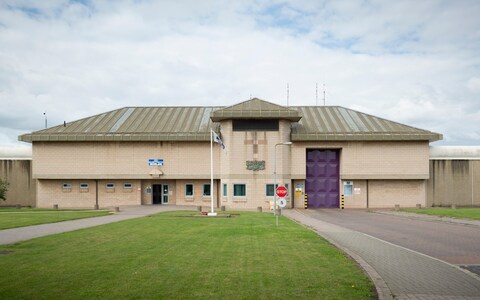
[209,190]
[235,190]
[255,125]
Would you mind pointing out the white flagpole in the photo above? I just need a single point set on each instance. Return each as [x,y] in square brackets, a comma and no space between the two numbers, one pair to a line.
[211,172]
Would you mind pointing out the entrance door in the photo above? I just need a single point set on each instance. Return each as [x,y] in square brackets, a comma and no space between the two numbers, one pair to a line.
[157,194]
[322,184]
[165,194]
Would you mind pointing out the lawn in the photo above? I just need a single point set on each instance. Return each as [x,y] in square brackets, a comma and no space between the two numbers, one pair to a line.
[166,256]
[12,217]
[460,213]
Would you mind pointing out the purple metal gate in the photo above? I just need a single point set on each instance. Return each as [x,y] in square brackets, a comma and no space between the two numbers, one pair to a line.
[323,178]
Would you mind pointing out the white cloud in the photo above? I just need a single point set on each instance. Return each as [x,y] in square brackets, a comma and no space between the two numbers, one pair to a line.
[411,62]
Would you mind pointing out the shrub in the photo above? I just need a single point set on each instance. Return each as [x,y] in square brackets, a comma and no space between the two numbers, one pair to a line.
[3,189]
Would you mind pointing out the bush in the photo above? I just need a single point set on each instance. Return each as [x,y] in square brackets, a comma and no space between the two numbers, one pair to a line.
[3,189]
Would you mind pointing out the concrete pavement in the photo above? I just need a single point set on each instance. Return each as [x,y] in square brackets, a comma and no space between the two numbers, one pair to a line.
[455,243]
[397,272]
[14,235]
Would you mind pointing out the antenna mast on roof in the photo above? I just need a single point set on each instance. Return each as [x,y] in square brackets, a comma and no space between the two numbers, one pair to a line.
[324,94]
[288,93]
[45,114]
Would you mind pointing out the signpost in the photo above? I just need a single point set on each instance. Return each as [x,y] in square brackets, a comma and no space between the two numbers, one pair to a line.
[281,192]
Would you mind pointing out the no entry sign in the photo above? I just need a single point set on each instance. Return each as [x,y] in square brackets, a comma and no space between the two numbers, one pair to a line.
[281,191]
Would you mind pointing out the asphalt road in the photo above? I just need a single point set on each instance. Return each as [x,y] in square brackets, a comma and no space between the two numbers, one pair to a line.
[454,243]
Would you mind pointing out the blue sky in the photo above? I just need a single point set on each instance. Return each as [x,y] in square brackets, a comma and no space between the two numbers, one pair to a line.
[414,62]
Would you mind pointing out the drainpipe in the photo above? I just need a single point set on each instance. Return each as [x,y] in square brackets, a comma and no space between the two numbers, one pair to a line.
[96,193]
[472,164]
[367,193]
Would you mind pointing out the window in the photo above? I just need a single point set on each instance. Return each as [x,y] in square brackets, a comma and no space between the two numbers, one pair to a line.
[269,190]
[206,190]
[189,190]
[239,190]
[255,125]
[127,186]
[83,185]
[110,186]
[67,185]
[225,190]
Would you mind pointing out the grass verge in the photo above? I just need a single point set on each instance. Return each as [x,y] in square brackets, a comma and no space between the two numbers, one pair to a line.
[165,257]
[460,213]
[13,218]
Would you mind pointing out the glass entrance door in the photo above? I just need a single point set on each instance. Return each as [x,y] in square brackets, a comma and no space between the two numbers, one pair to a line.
[165,194]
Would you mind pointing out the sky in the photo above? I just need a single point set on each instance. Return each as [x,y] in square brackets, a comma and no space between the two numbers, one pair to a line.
[413,62]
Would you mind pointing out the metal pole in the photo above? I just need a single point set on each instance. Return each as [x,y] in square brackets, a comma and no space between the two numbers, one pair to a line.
[275,176]
[275,181]
[211,171]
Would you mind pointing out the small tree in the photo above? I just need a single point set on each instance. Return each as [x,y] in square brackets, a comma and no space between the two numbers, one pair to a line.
[3,189]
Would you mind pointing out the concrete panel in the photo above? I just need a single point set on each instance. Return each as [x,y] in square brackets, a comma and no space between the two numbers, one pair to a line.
[22,188]
[454,182]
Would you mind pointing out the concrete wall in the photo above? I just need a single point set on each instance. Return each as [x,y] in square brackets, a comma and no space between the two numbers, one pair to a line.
[22,188]
[454,182]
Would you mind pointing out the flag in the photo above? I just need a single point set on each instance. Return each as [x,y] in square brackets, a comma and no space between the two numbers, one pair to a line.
[218,140]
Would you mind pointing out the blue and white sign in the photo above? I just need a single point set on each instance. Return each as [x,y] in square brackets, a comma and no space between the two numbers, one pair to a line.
[155,162]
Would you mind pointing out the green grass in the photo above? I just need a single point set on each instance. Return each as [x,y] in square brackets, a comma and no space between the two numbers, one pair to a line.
[12,217]
[460,213]
[169,257]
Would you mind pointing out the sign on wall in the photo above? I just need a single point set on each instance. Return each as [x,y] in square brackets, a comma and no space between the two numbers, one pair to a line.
[155,162]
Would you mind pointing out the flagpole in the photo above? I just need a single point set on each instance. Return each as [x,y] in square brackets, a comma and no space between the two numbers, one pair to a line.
[211,172]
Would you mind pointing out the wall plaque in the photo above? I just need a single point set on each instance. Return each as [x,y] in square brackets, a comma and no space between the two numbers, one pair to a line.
[255,165]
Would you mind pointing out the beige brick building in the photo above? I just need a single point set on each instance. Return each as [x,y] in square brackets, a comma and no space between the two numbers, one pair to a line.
[161,155]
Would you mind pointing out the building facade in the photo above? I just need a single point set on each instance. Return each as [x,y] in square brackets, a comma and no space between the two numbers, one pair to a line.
[161,155]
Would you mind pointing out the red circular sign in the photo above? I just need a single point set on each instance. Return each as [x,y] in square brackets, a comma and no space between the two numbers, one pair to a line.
[281,191]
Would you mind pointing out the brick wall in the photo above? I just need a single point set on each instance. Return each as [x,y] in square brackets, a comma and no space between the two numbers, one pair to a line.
[51,192]
[396,168]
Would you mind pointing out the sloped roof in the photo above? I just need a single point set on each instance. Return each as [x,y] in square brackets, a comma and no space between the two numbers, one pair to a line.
[335,123]
[256,109]
[134,124]
[309,123]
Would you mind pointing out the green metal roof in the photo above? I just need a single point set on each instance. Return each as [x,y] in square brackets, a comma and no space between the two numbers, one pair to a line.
[256,109]
[134,124]
[309,123]
[334,123]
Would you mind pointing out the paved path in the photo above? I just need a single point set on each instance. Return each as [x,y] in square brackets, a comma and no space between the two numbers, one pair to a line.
[8,236]
[397,272]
